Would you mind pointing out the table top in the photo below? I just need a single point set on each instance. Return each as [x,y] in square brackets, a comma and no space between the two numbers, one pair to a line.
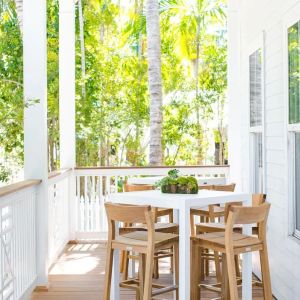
[158,199]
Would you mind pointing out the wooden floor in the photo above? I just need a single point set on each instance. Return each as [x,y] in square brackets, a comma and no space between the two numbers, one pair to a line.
[78,274]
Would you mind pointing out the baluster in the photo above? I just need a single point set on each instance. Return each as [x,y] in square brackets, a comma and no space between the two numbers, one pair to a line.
[101,204]
[78,197]
[93,201]
[85,204]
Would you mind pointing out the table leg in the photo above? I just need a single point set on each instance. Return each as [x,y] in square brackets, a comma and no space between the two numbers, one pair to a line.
[247,262]
[175,216]
[184,253]
[115,289]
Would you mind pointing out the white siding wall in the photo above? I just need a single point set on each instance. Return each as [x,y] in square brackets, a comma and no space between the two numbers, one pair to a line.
[256,17]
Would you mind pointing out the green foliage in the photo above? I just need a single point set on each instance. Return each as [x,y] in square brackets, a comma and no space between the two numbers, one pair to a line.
[112,120]
[178,184]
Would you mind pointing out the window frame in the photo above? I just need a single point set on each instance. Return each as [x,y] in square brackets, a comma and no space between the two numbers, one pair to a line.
[290,19]
[258,44]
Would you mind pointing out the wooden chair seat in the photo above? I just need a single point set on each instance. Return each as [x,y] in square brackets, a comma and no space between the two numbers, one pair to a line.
[217,227]
[216,241]
[139,239]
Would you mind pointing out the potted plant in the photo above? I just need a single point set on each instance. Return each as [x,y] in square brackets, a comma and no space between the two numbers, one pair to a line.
[173,183]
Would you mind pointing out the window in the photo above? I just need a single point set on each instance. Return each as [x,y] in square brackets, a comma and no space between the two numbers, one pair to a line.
[294,73]
[256,119]
[258,163]
[297,180]
[294,118]
[255,69]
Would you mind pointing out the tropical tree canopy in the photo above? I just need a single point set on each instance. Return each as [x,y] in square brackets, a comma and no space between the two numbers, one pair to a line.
[115,86]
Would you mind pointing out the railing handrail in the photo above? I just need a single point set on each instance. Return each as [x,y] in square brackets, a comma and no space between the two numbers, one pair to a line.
[151,167]
[16,187]
[58,175]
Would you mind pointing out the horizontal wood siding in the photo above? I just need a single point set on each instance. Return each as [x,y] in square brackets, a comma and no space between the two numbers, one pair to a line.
[257,16]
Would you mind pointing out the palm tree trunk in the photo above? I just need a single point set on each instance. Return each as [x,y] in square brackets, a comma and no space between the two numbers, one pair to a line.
[82,47]
[155,82]
[19,9]
[199,129]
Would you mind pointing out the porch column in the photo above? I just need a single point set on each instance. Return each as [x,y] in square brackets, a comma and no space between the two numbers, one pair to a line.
[234,94]
[67,98]
[35,121]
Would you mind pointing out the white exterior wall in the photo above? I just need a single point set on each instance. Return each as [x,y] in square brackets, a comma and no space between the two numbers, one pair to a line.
[262,21]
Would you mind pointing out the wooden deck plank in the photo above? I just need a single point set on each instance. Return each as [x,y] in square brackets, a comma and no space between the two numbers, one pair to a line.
[78,274]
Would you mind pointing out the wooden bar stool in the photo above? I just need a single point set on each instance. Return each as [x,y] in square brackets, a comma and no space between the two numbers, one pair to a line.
[161,212]
[210,213]
[231,243]
[159,227]
[146,243]
[207,227]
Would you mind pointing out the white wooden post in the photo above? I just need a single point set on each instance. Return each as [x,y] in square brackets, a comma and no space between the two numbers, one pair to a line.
[234,94]
[67,99]
[35,120]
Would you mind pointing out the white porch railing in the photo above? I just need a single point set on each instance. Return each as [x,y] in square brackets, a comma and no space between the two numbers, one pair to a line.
[58,209]
[93,185]
[18,239]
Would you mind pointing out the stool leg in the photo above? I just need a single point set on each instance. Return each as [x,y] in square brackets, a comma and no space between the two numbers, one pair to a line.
[176,269]
[237,266]
[148,276]
[192,225]
[265,270]
[122,254]
[225,286]
[125,265]
[206,265]
[201,263]
[171,217]
[231,274]
[141,275]
[108,272]
[217,266]
[156,269]
[196,267]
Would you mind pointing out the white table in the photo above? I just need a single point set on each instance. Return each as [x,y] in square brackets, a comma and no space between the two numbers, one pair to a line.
[153,179]
[183,203]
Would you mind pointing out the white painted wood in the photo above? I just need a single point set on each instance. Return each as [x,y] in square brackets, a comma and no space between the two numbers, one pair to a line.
[58,201]
[67,99]
[35,119]
[96,186]
[18,243]
[235,141]
[67,83]
[273,17]
[184,203]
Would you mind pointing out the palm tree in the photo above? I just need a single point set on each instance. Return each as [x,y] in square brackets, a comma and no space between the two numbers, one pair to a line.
[155,81]
[82,48]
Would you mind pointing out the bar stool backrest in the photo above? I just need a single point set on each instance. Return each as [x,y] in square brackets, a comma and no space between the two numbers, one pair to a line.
[258,199]
[248,215]
[206,187]
[129,214]
[138,187]
[224,188]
